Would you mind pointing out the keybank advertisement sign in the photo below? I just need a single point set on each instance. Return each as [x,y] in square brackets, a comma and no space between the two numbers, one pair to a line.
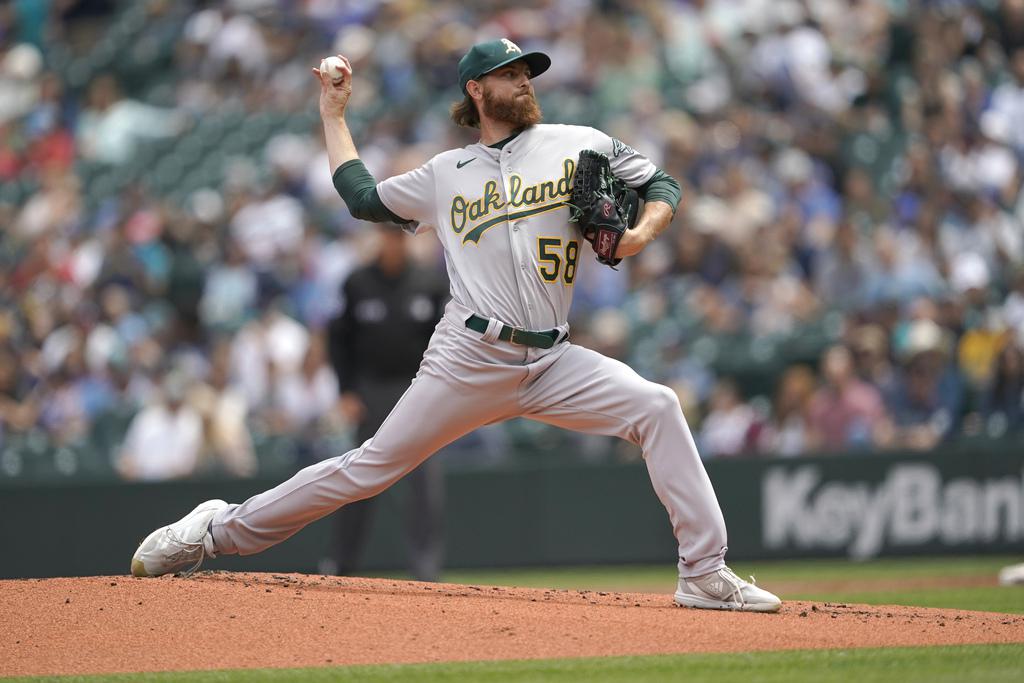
[876,505]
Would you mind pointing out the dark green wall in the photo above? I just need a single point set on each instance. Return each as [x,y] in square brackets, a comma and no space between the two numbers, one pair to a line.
[966,501]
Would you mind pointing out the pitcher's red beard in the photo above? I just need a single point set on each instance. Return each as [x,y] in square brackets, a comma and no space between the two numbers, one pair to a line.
[520,112]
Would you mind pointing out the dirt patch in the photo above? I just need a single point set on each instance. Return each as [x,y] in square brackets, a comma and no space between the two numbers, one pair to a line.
[219,620]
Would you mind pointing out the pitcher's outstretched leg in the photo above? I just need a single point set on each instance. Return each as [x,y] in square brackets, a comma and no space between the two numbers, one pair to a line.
[432,413]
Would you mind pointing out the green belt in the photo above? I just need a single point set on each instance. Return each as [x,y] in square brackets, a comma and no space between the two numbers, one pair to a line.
[541,340]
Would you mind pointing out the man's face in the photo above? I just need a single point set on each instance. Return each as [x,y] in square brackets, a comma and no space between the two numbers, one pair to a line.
[838,366]
[508,96]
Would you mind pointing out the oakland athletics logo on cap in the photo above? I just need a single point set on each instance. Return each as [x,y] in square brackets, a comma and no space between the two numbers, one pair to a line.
[483,58]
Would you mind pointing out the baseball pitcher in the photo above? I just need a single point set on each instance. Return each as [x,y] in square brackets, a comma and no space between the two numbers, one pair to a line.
[512,212]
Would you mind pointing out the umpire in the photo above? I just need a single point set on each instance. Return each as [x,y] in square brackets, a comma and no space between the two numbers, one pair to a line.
[391,308]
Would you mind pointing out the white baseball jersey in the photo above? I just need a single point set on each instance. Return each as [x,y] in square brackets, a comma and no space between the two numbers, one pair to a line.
[501,215]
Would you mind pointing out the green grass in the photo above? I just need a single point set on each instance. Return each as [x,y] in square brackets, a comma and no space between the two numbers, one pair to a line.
[981,599]
[918,567]
[646,576]
[907,665]
[661,579]
[990,598]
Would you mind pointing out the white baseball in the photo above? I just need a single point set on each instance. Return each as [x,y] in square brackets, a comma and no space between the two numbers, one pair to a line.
[334,68]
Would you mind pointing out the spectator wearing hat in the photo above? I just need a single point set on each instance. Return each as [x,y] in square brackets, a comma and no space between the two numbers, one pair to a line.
[927,397]
[870,347]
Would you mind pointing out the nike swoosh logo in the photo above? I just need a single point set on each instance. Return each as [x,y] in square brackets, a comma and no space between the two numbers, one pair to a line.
[463,163]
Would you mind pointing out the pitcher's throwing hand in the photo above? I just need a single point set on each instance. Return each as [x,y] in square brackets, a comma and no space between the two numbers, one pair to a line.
[335,76]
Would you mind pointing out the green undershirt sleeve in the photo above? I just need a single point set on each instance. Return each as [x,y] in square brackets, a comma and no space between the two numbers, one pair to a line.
[358,188]
[661,188]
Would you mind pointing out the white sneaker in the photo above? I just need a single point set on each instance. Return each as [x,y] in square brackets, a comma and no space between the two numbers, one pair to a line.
[1012,575]
[178,547]
[724,590]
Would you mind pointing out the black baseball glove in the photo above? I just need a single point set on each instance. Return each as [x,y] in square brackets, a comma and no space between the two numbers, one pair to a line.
[602,205]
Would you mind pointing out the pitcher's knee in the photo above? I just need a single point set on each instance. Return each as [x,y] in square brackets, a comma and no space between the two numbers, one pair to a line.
[663,402]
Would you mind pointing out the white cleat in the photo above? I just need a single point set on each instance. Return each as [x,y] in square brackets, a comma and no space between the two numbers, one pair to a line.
[178,547]
[724,590]
[1012,575]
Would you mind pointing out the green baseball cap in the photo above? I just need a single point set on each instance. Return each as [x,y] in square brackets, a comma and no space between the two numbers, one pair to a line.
[483,58]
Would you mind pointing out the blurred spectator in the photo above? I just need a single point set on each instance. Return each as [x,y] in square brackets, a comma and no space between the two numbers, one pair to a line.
[272,345]
[229,292]
[234,42]
[19,67]
[55,208]
[1013,307]
[1006,111]
[18,396]
[845,413]
[111,125]
[269,226]
[784,434]
[852,169]
[870,347]
[128,391]
[50,145]
[727,428]
[841,277]
[899,275]
[305,398]
[165,439]
[864,207]
[1003,400]
[926,399]
[224,412]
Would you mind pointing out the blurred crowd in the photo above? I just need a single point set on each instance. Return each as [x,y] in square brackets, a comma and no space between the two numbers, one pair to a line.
[846,270]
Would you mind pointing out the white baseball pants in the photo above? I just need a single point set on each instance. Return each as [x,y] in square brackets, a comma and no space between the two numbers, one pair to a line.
[465,382]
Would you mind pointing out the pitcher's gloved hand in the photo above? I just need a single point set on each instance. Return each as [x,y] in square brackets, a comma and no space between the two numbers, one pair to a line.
[602,205]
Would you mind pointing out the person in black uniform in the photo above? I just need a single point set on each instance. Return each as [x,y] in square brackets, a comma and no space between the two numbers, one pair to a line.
[375,345]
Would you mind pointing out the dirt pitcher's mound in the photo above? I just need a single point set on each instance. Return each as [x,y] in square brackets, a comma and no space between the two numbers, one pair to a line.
[218,620]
